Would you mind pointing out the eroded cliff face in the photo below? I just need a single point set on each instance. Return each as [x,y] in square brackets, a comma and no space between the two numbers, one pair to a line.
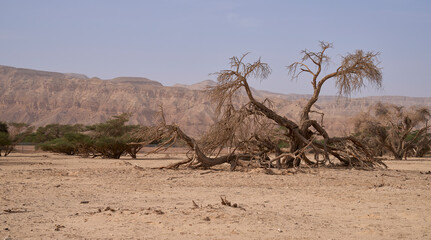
[40,98]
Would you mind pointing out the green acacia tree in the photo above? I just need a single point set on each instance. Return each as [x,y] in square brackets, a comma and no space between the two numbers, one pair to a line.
[110,139]
[54,131]
[11,134]
[4,136]
[113,138]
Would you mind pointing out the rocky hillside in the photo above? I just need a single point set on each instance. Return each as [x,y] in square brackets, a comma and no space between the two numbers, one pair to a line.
[40,98]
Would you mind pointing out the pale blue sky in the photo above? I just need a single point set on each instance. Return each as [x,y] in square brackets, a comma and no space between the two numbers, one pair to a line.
[183,41]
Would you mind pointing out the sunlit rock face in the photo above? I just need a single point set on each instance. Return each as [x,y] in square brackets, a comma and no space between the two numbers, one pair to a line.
[40,98]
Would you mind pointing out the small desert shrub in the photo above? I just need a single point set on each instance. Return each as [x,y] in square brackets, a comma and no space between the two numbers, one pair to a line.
[69,144]
[110,147]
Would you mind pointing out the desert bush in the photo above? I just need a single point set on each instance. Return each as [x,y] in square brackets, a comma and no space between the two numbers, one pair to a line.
[59,145]
[114,138]
[110,139]
[70,144]
[422,144]
[110,147]
[395,129]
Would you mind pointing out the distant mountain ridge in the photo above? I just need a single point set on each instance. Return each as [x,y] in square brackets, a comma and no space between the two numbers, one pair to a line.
[198,86]
[41,97]
[136,80]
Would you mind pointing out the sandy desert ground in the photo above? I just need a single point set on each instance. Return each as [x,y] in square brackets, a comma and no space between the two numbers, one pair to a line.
[52,196]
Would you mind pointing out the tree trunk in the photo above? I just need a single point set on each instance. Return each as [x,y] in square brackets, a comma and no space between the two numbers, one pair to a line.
[9,149]
[398,157]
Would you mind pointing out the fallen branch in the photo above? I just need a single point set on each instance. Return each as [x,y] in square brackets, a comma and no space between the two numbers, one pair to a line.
[225,202]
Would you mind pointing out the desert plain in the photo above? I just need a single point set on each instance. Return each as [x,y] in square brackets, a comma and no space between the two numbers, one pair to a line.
[52,196]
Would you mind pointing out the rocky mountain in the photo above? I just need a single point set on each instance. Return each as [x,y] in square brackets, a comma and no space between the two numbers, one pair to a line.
[136,81]
[198,86]
[40,98]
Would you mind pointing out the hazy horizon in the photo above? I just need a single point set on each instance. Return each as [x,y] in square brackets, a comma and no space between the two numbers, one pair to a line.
[184,41]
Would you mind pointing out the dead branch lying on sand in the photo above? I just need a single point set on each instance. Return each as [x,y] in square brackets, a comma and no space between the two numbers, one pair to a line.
[225,202]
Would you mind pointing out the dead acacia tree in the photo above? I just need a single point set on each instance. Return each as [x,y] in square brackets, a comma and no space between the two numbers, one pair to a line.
[395,129]
[241,134]
[257,140]
[350,76]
